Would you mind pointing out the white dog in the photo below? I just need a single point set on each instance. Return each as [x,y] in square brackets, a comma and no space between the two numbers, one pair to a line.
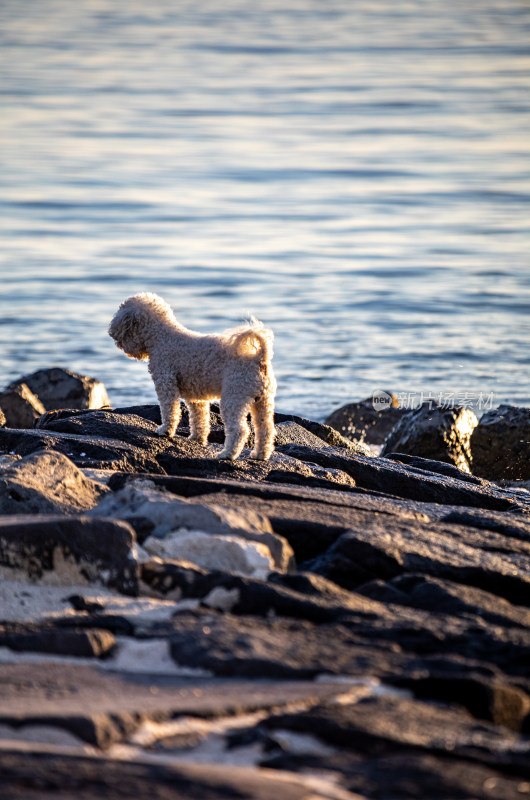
[234,366]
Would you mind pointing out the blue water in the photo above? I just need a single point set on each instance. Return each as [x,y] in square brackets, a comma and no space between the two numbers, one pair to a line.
[356,174]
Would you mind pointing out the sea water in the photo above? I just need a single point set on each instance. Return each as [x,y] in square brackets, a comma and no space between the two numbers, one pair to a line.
[354,173]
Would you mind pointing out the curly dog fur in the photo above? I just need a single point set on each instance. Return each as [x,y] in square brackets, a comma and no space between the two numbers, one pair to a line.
[234,366]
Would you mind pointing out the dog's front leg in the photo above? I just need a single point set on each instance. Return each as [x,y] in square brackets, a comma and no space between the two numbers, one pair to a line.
[168,397]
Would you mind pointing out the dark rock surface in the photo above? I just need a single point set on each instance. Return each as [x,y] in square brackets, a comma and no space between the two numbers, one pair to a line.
[389,659]
[425,593]
[435,432]
[20,407]
[408,775]
[387,476]
[501,444]
[99,550]
[366,422]
[126,441]
[382,725]
[44,776]
[92,643]
[292,433]
[475,558]
[323,432]
[90,452]
[151,412]
[327,433]
[47,483]
[439,467]
[280,596]
[62,388]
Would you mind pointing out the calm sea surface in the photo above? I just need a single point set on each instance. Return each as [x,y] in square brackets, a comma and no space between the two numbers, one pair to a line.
[356,174]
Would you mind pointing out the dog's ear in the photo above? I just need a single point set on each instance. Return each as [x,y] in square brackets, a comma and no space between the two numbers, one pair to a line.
[127,328]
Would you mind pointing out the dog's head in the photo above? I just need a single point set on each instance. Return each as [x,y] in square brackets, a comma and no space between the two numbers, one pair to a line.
[134,323]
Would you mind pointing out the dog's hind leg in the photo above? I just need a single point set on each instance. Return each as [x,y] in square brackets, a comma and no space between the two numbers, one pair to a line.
[170,410]
[199,413]
[236,428]
[262,415]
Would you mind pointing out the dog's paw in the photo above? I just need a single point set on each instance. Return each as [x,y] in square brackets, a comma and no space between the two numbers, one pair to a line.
[199,439]
[225,455]
[259,456]
[163,430]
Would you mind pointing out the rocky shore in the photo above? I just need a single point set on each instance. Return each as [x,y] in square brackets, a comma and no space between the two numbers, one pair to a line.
[330,623]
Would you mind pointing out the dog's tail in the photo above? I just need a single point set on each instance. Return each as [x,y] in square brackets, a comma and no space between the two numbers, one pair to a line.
[252,339]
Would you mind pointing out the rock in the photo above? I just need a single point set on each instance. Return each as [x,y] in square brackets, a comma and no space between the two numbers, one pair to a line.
[508,524]
[401,775]
[519,488]
[292,471]
[103,424]
[435,432]
[33,692]
[441,596]
[93,643]
[377,724]
[296,595]
[20,407]
[464,555]
[62,388]
[368,640]
[91,452]
[500,444]
[124,427]
[45,775]
[152,413]
[312,519]
[213,551]
[439,467]
[483,697]
[292,433]
[167,513]
[404,775]
[47,483]
[194,486]
[326,433]
[137,434]
[100,710]
[368,421]
[274,648]
[49,417]
[227,492]
[129,616]
[323,432]
[309,523]
[417,606]
[178,456]
[216,435]
[385,475]
[80,603]
[281,469]
[69,551]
